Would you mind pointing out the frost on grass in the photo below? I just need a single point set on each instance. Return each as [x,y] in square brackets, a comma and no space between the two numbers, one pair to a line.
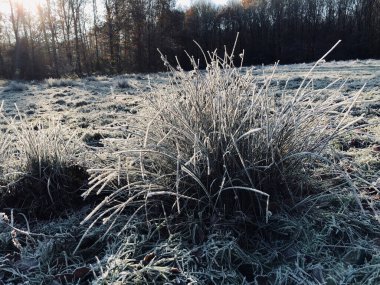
[42,173]
[222,142]
[15,86]
[183,176]
[61,82]
[223,154]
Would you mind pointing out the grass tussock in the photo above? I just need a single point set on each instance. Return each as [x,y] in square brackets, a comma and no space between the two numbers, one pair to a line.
[123,83]
[60,82]
[15,86]
[223,181]
[43,175]
[222,142]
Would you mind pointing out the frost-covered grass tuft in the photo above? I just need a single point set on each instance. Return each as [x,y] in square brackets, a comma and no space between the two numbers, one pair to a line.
[123,83]
[61,82]
[41,170]
[96,78]
[16,86]
[223,143]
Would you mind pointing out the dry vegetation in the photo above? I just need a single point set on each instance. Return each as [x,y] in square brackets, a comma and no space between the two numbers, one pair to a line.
[219,176]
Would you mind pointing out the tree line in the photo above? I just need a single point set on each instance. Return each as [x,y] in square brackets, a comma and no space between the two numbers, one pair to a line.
[66,37]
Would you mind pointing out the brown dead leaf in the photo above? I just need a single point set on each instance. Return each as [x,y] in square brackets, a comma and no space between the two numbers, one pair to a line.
[175,270]
[148,258]
[81,272]
[376,148]
[76,275]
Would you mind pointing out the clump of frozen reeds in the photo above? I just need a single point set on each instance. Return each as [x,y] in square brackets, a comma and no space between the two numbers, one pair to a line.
[42,165]
[222,141]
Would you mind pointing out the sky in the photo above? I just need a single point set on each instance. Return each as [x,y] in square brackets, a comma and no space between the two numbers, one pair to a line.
[31,4]
[186,3]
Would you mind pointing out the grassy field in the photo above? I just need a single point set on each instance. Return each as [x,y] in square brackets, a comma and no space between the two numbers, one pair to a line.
[262,175]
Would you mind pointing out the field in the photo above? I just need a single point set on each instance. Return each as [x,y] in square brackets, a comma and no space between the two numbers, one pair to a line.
[63,140]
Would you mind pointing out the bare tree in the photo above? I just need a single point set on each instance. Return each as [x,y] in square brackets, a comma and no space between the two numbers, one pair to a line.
[95,23]
[15,19]
[73,36]
[53,35]
[75,6]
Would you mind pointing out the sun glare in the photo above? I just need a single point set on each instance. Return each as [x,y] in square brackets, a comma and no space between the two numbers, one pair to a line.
[31,6]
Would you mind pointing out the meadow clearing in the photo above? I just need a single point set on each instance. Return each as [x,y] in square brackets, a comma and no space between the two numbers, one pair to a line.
[218,176]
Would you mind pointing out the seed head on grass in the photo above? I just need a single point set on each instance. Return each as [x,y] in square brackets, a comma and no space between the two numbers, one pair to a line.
[222,141]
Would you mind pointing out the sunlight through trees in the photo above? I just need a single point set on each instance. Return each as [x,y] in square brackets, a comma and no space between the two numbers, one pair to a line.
[44,38]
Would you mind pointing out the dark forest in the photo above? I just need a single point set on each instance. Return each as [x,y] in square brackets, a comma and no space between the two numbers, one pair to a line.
[82,37]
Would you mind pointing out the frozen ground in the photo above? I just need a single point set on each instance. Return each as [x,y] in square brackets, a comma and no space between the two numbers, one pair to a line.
[96,100]
[100,109]
[92,104]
